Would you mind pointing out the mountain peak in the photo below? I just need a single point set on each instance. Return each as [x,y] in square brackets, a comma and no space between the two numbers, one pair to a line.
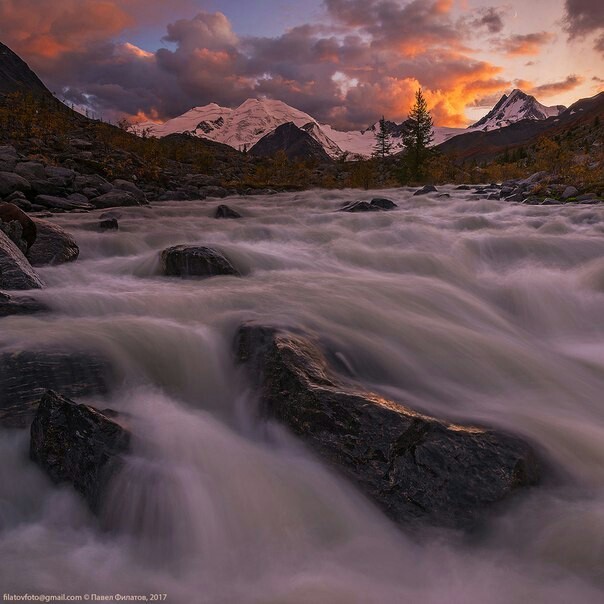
[512,108]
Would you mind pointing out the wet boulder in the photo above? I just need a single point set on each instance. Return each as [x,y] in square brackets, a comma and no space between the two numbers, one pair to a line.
[109,224]
[377,204]
[53,245]
[223,211]
[26,375]
[15,271]
[383,203]
[78,445]
[425,190]
[415,467]
[195,261]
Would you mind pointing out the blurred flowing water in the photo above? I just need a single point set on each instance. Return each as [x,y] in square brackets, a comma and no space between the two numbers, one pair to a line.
[468,309]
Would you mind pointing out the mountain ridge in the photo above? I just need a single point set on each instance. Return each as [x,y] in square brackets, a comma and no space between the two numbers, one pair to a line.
[244,126]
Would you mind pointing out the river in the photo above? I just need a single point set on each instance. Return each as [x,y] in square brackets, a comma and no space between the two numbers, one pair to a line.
[464,308]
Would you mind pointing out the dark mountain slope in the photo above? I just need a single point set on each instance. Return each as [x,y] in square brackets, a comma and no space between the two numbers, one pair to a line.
[16,76]
[295,142]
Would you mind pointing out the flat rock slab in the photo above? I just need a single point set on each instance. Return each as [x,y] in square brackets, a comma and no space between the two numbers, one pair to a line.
[415,467]
[195,261]
[77,444]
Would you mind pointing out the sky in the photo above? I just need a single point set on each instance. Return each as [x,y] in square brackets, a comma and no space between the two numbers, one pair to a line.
[345,62]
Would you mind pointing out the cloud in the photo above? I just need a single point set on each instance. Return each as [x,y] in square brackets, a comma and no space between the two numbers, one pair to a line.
[369,58]
[584,17]
[491,18]
[525,44]
[569,83]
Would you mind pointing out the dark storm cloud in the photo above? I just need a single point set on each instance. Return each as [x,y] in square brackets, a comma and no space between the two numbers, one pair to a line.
[585,17]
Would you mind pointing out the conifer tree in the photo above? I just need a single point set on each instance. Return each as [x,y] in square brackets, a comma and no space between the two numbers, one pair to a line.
[417,134]
[383,141]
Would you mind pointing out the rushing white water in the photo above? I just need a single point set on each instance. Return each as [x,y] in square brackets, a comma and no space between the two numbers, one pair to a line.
[465,308]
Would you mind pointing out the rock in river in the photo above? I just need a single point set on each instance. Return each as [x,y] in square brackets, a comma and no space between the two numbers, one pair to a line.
[77,444]
[223,211]
[195,261]
[413,466]
[377,204]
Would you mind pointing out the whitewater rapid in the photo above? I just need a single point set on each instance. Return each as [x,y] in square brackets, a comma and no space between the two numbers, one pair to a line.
[468,309]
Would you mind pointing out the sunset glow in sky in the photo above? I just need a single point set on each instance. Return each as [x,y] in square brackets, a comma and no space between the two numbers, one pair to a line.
[346,62]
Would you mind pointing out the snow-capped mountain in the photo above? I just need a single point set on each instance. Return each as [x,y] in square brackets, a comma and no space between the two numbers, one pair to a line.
[244,126]
[513,108]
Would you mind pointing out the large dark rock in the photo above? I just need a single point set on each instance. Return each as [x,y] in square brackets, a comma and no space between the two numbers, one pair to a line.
[53,245]
[26,375]
[9,212]
[11,305]
[413,466]
[195,261]
[15,270]
[223,211]
[77,444]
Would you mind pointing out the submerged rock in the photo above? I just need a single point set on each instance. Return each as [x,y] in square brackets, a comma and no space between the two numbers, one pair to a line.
[109,224]
[53,245]
[26,375]
[195,261]
[223,211]
[15,270]
[77,444]
[415,467]
[9,305]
